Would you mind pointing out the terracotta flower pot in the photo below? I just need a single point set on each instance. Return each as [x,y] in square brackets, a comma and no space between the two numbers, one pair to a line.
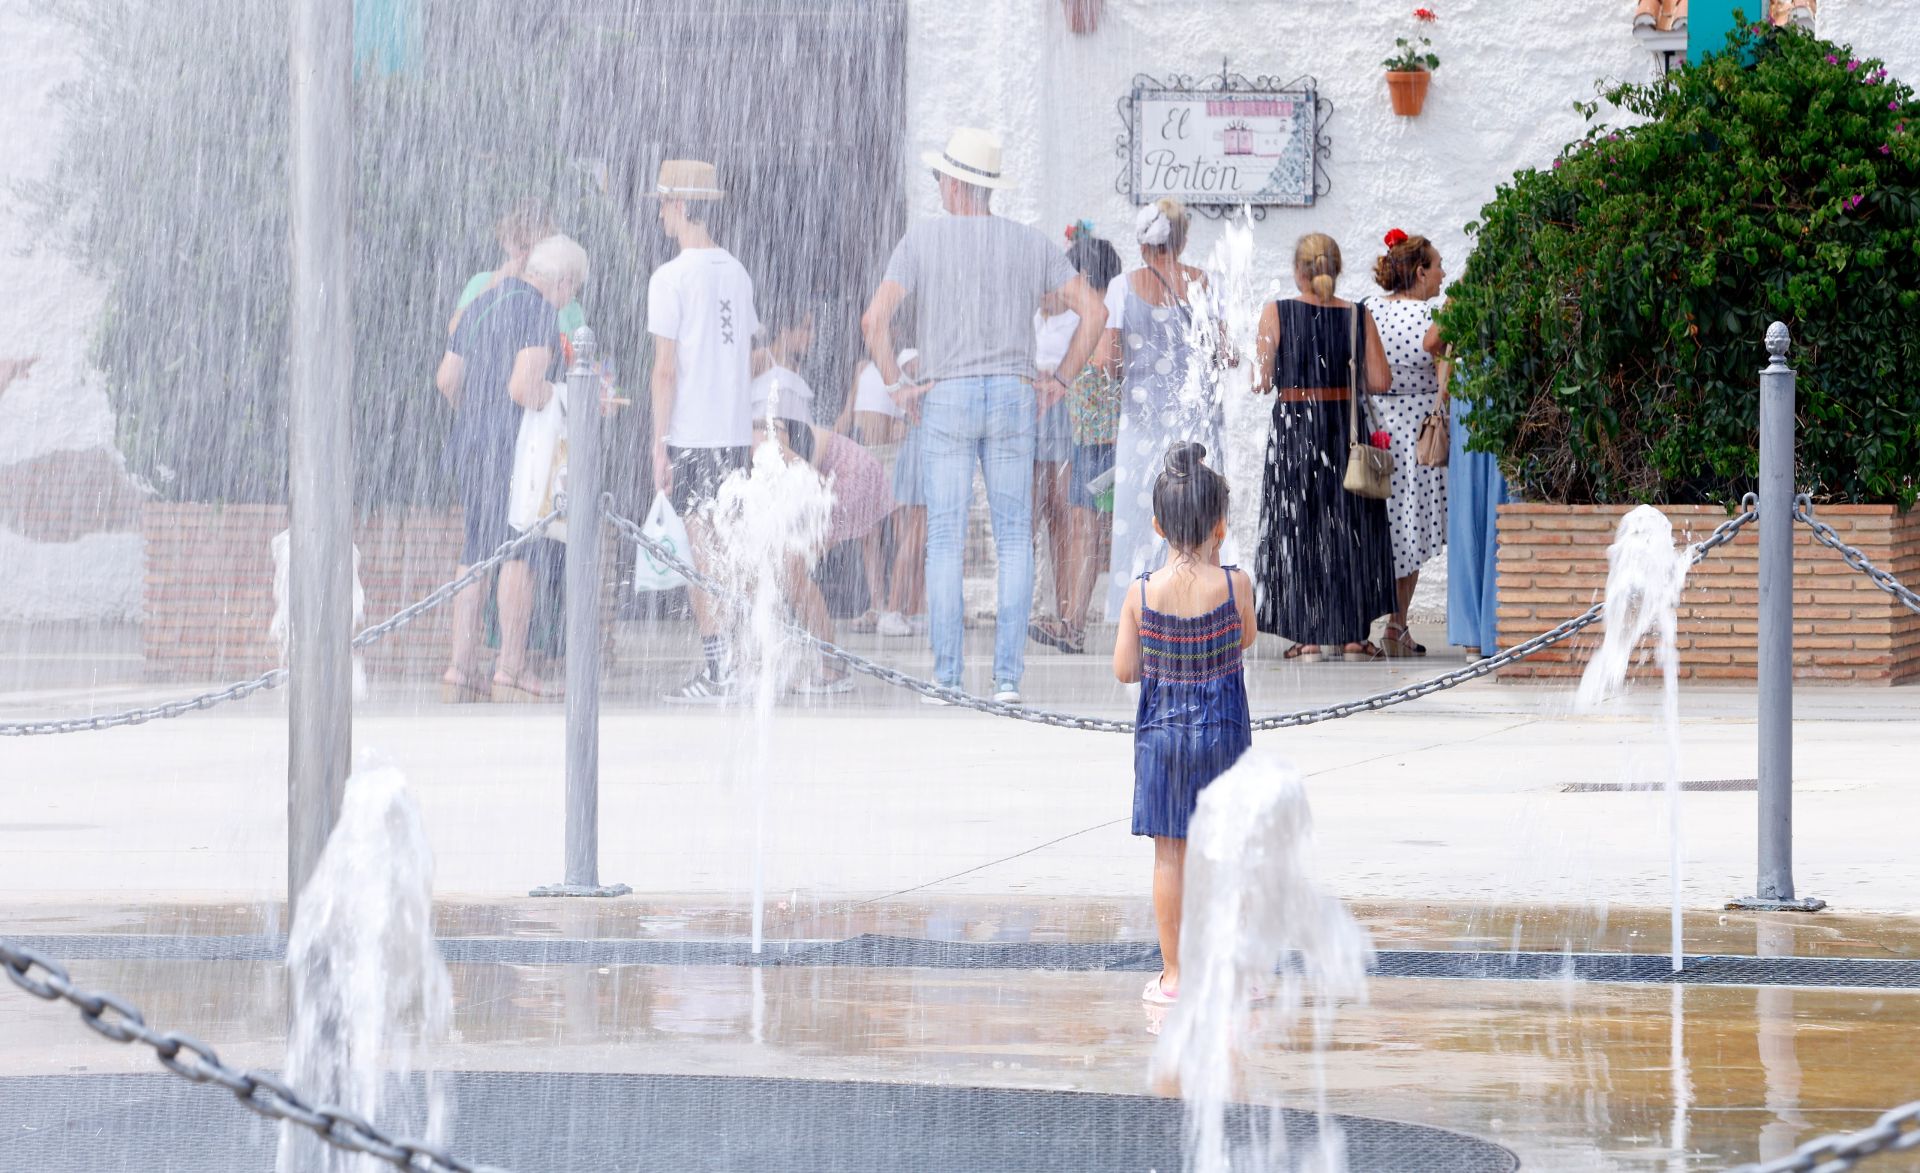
[1083,16]
[1408,90]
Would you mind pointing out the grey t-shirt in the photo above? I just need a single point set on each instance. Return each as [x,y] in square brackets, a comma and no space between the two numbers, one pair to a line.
[976,282]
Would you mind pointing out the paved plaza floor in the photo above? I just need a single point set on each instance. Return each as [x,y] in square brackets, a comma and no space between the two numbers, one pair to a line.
[1472,821]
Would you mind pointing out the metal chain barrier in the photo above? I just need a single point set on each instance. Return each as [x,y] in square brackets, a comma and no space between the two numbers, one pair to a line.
[1828,537]
[1722,534]
[114,1018]
[1896,1132]
[275,677]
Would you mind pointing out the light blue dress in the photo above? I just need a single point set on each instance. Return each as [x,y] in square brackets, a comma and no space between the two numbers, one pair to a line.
[1475,491]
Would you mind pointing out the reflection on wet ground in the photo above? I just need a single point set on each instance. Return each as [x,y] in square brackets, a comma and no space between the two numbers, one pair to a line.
[1570,1075]
[1436,925]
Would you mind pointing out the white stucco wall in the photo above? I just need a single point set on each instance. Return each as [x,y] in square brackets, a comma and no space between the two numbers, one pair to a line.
[47,308]
[1502,99]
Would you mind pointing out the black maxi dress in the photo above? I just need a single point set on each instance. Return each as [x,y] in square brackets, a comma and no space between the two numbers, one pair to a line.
[1324,570]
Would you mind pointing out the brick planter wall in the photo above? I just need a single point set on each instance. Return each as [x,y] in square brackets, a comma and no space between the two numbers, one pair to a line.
[209,589]
[1553,566]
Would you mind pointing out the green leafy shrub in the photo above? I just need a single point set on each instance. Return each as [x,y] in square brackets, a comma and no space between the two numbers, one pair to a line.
[1609,324]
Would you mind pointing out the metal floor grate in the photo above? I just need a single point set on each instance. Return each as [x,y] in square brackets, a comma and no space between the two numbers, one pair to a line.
[874,951]
[572,1122]
[1703,786]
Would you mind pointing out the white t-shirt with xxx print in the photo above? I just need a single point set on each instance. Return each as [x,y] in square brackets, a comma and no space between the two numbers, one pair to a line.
[703,301]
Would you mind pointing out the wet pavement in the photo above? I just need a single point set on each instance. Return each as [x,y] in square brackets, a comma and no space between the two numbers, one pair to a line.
[1569,1075]
[1446,824]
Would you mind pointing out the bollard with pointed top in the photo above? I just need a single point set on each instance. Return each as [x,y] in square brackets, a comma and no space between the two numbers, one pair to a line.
[582,504]
[1774,890]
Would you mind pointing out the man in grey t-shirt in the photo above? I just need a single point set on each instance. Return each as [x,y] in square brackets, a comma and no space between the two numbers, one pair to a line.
[977,280]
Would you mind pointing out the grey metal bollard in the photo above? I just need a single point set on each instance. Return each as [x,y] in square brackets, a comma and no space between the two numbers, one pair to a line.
[1774,891]
[583,631]
[319,432]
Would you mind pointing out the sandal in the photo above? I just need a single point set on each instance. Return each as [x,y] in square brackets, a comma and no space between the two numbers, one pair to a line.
[1366,649]
[1400,644]
[523,689]
[1154,995]
[459,687]
[1305,653]
[1054,632]
[867,624]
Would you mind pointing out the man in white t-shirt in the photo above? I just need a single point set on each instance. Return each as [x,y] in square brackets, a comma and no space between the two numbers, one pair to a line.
[700,313]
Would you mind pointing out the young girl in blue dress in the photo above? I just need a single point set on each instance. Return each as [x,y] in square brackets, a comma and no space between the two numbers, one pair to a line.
[1182,631]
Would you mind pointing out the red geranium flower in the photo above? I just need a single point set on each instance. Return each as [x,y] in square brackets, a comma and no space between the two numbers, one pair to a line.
[1426,15]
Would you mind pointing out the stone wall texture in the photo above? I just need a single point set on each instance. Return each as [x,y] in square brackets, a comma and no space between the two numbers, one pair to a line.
[1553,566]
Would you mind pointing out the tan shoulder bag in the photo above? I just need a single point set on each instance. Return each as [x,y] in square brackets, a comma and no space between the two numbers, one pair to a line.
[1369,469]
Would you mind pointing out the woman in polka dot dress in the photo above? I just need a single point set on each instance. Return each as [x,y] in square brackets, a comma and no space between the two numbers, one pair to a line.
[1162,332]
[1410,272]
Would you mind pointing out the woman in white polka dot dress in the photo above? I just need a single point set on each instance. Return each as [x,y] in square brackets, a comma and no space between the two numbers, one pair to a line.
[1410,272]
[1162,333]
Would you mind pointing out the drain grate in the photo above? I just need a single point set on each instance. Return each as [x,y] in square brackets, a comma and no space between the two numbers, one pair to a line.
[875,951]
[536,1122]
[1702,786]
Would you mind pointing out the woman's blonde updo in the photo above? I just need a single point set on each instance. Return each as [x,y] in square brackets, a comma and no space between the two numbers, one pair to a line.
[1398,269]
[1318,257]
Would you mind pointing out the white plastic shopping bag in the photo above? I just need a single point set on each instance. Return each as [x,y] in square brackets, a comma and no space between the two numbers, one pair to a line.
[540,465]
[664,526]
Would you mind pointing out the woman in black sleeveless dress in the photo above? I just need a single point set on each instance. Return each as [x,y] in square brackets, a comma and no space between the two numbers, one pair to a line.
[1324,570]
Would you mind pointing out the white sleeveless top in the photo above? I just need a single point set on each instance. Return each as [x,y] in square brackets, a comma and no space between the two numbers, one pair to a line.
[870,390]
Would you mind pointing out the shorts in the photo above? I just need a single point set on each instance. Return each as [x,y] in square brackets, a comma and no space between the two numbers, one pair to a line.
[1089,461]
[908,489]
[1053,441]
[888,455]
[486,482]
[697,473]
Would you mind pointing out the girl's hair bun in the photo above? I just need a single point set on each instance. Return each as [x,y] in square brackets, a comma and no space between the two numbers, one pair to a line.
[1183,458]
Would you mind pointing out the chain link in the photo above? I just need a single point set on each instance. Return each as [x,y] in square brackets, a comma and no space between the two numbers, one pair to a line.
[195,1061]
[631,530]
[275,677]
[1828,537]
[1897,1131]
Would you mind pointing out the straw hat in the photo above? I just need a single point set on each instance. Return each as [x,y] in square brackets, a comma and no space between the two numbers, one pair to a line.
[972,156]
[687,179]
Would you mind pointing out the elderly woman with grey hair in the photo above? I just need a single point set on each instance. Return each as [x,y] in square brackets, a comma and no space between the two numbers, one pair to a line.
[501,359]
[1163,342]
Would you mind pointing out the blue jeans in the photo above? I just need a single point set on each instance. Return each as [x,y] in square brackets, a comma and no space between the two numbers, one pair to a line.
[990,419]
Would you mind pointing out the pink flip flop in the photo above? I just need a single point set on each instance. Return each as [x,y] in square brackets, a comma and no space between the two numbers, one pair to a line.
[1153,995]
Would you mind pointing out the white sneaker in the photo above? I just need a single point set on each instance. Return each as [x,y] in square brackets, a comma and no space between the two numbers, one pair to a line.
[1006,694]
[824,686]
[894,624]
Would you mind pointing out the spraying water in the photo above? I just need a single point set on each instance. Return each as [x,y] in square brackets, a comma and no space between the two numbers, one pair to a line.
[1645,575]
[769,524]
[365,977]
[1251,901]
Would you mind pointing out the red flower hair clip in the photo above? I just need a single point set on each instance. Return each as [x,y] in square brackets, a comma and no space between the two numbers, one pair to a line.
[1395,238]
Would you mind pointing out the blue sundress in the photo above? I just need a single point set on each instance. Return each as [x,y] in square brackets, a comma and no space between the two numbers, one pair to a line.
[1193,721]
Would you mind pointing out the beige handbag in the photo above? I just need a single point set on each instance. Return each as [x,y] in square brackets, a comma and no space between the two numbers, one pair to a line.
[1430,446]
[1369,469]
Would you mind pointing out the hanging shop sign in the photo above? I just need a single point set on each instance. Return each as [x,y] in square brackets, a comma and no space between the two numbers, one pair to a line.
[1223,142]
